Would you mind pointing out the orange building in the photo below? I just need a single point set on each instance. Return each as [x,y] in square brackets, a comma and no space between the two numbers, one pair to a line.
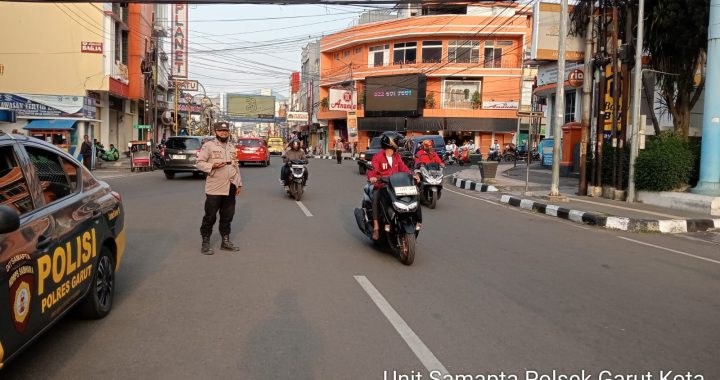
[471,61]
[140,46]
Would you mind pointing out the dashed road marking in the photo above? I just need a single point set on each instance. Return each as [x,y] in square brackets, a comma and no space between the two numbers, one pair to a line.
[304,209]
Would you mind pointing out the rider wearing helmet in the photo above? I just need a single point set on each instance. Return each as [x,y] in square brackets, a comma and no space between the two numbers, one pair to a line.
[386,164]
[427,155]
[293,153]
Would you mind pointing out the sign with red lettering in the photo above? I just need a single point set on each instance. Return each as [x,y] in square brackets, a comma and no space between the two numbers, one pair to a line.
[179,41]
[91,47]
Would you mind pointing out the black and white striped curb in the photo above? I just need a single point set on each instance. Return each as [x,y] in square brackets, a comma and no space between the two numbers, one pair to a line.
[665,226]
[472,185]
[322,157]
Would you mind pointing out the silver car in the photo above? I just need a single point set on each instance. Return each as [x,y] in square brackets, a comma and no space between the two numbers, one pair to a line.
[181,155]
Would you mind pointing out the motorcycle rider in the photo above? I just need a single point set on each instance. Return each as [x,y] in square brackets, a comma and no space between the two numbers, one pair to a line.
[494,151]
[427,155]
[293,153]
[385,165]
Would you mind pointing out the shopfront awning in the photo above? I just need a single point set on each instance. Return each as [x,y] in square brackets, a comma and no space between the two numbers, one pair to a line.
[55,124]
[432,124]
[481,124]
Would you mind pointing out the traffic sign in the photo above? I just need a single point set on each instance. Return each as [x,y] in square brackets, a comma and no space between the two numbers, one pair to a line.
[142,126]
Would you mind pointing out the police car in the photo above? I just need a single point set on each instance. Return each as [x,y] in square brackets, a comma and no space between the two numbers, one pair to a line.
[62,238]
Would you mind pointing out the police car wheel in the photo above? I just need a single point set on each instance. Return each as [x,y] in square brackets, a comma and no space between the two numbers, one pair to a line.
[99,300]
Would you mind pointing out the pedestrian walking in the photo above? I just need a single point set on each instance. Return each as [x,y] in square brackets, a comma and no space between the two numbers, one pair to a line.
[86,152]
[223,183]
[339,146]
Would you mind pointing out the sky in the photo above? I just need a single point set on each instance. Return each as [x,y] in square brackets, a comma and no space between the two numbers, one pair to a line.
[242,48]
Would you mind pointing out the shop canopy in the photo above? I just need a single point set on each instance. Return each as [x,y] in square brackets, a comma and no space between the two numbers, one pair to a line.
[50,124]
[432,124]
[481,124]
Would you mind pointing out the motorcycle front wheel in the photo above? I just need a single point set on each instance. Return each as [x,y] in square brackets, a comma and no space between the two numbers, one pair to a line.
[407,248]
[431,199]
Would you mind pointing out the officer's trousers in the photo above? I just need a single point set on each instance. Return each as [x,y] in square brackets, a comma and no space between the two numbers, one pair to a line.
[225,204]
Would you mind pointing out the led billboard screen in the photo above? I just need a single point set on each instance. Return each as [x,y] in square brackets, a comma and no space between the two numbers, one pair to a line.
[395,95]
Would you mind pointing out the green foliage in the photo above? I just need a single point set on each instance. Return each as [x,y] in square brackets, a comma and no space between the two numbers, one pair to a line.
[607,163]
[430,100]
[476,100]
[666,164]
[324,103]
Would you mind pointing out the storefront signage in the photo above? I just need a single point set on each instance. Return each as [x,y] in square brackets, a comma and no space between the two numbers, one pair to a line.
[342,100]
[91,47]
[186,84]
[499,105]
[43,105]
[576,77]
[548,74]
[297,116]
[179,41]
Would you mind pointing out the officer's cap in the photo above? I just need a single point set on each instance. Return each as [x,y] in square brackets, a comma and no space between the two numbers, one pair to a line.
[222,126]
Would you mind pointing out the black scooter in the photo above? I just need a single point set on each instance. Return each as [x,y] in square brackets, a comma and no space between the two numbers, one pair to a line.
[398,221]
[295,179]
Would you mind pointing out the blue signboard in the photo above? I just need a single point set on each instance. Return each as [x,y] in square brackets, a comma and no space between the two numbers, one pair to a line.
[43,105]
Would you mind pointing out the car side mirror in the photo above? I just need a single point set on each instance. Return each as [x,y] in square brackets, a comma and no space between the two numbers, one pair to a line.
[9,219]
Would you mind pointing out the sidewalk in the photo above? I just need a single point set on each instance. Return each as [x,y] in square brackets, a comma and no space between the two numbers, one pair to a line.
[602,212]
[122,163]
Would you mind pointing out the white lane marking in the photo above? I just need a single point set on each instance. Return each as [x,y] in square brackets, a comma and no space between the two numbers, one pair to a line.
[304,209]
[427,358]
[520,211]
[670,250]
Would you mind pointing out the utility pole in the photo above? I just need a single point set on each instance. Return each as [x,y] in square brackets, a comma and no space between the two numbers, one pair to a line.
[600,129]
[587,83]
[625,109]
[559,100]
[710,154]
[615,95]
[637,86]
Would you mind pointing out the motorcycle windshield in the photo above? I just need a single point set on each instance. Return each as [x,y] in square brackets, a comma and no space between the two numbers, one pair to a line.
[432,166]
[402,185]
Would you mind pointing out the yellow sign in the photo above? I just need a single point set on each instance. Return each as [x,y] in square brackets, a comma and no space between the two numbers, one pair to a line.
[611,85]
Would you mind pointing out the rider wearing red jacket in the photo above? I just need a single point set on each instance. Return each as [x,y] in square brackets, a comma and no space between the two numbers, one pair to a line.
[427,155]
[386,163]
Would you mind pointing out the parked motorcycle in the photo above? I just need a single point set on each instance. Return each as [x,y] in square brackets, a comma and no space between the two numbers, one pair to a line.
[430,186]
[448,158]
[295,180]
[398,221]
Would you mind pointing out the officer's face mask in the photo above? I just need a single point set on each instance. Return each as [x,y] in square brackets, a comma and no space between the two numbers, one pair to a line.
[222,136]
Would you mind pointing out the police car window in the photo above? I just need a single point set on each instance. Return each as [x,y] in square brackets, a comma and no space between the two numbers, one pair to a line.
[88,181]
[14,190]
[55,182]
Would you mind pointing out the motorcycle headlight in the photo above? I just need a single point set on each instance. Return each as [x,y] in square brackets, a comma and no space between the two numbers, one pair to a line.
[400,206]
[434,181]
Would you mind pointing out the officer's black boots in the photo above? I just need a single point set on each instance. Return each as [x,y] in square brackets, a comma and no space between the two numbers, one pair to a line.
[226,245]
[205,249]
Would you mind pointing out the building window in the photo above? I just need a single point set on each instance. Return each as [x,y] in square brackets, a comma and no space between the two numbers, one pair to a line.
[466,51]
[493,53]
[570,106]
[358,50]
[459,93]
[378,55]
[347,53]
[404,53]
[337,56]
[431,51]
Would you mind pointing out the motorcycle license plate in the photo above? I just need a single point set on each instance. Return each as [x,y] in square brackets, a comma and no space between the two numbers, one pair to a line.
[403,191]
[177,156]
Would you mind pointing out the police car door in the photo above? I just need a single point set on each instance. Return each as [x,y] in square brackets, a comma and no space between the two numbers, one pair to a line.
[66,250]
[19,317]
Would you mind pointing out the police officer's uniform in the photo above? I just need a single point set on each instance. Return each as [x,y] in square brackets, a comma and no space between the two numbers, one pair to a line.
[221,187]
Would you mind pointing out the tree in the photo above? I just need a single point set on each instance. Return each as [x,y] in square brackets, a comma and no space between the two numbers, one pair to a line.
[476,100]
[676,42]
[430,100]
[676,39]
[324,103]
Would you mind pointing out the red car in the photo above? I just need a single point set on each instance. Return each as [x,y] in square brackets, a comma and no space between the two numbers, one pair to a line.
[252,149]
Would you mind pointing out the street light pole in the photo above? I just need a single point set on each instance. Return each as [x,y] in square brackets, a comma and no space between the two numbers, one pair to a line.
[559,100]
[637,86]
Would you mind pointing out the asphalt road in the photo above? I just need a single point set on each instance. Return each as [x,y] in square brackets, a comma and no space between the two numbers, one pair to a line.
[493,290]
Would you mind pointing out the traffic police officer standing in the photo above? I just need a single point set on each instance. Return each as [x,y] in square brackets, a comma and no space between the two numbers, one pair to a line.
[217,158]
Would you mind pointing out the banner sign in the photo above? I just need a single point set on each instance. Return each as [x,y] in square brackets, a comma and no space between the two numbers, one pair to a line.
[46,105]
[352,126]
[342,100]
[297,116]
[499,105]
[546,32]
[179,41]
[250,106]
[91,47]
